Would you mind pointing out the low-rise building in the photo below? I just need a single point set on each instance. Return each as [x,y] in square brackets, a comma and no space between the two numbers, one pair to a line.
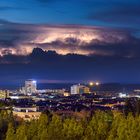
[26,113]
[4,94]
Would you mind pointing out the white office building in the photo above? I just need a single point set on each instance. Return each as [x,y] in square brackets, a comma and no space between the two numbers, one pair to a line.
[79,89]
[30,86]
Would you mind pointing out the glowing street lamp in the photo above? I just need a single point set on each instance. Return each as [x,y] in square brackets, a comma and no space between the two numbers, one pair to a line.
[91,83]
[97,83]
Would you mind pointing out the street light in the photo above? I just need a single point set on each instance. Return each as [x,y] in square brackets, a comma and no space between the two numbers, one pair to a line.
[91,83]
[97,83]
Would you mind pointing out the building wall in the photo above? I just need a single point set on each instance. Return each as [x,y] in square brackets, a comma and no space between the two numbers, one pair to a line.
[4,94]
[27,115]
[79,89]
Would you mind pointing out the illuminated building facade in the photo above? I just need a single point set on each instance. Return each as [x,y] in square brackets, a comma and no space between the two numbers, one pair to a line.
[79,89]
[30,86]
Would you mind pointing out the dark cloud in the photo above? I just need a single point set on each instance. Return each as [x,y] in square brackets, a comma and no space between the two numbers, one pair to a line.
[109,46]
[68,52]
[52,66]
[124,14]
[20,39]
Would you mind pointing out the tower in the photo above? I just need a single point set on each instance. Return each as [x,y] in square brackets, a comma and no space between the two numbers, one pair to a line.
[30,86]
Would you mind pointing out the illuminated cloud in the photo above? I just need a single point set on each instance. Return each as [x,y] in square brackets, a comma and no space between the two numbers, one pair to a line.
[20,39]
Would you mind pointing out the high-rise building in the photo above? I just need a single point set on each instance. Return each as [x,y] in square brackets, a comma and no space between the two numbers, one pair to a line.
[79,89]
[30,86]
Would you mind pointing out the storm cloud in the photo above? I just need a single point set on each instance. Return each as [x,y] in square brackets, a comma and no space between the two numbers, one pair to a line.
[20,39]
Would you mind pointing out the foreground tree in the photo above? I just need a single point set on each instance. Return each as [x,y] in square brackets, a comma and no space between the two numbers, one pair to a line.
[43,127]
[10,135]
[72,129]
[21,133]
[102,126]
[55,128]
[98,127]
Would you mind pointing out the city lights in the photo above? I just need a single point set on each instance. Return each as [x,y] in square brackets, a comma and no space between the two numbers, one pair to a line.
[94,83]
[97,83]
[34,81]
[91,83]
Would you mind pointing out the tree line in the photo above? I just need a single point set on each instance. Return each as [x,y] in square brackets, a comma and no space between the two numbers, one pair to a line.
[103,125]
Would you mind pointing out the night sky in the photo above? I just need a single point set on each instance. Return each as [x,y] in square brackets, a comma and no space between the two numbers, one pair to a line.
[69,41]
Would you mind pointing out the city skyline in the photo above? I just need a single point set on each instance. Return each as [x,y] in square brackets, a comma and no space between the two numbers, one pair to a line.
[61,41]
[69,69]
